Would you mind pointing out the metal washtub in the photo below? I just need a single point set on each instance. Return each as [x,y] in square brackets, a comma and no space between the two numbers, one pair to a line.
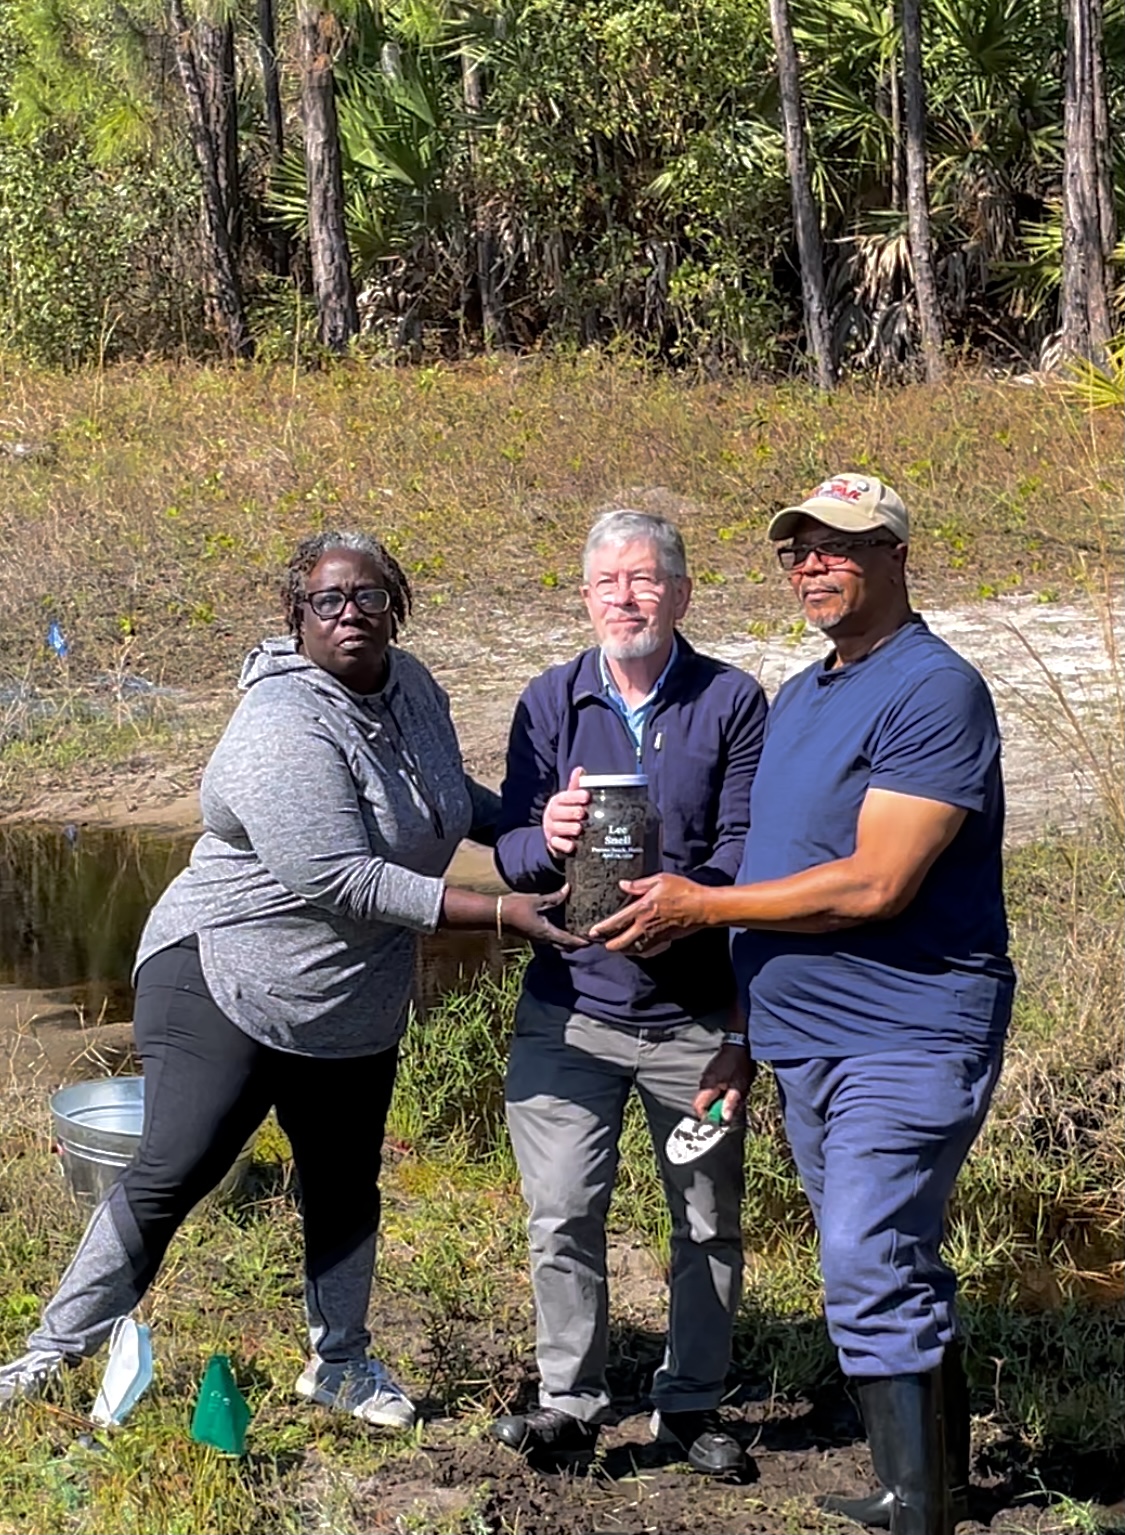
[97,1128]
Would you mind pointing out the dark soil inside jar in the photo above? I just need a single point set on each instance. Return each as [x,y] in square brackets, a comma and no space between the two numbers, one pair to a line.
[595,889]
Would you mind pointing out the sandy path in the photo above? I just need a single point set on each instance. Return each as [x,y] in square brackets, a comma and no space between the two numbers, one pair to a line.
[485,655]
[1048,783]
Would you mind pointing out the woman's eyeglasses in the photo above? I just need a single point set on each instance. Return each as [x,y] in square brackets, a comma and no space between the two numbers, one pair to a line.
[829,551]
[332,600]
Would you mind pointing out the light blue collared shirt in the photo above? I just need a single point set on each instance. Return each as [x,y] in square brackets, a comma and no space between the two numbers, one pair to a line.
[635,718]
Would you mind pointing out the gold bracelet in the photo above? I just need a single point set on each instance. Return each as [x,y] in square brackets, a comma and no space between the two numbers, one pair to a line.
[500,917]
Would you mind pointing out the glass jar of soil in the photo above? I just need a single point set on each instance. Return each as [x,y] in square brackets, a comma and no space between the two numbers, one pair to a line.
[621,840]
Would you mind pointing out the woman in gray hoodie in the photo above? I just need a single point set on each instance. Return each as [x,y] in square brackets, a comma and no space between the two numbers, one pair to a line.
[276,970]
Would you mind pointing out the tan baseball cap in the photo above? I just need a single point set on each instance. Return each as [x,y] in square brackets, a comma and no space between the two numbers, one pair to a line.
[854,503]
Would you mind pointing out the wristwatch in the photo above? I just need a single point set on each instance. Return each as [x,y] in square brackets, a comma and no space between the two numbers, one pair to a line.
[736,1039]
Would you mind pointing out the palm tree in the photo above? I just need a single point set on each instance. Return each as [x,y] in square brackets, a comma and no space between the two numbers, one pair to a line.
[805,214]
[1087,242]
[917,199]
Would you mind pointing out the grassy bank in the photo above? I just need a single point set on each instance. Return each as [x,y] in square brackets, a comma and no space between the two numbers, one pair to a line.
[154,506]
[151,518]
[1036,1235]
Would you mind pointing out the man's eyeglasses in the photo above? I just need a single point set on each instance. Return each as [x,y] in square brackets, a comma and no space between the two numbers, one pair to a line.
[830,551]
[332,600]
[641,587]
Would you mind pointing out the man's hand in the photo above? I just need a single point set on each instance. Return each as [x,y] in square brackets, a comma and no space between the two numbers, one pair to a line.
[729,1075]
[564,816]
[669,907]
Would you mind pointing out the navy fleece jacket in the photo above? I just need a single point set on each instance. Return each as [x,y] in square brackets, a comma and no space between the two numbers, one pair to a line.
[700,749]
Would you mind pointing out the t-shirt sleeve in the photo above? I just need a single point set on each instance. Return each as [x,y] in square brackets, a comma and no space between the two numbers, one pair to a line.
[940,742]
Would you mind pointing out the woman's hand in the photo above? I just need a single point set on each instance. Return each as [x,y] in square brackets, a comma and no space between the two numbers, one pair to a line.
[669,907]
[564,816]
[729,1075]
[523,914]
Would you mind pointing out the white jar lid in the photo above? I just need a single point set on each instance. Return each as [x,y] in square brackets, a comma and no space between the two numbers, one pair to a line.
[614,781]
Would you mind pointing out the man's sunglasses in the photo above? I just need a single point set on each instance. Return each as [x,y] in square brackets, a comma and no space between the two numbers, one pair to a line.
[830,551]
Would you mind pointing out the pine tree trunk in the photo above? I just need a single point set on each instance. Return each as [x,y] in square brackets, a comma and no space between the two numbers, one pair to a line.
[1084,309]
[1103,142]
[805,215]
[484,240]
[338,318]
[275,127]
[226,291]
[917,197]
[220,95]
[898,195]
[271,86]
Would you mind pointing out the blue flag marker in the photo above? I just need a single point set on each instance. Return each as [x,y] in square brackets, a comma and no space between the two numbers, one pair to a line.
[56,639]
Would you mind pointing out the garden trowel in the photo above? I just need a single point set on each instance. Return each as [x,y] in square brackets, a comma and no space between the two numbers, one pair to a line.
[693,1138]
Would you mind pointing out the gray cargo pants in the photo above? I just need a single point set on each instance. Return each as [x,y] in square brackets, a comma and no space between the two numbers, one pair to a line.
[569,1077]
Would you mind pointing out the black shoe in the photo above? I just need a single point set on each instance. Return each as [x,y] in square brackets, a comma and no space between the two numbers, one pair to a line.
[875,1509]
[707,1445]
[549,1438]
[904,1418]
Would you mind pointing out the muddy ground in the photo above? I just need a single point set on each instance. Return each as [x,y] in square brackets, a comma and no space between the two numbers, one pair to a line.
[796,1449]
[635,1489]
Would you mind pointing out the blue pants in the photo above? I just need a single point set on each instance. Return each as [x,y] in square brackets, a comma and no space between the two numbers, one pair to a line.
[879,1140]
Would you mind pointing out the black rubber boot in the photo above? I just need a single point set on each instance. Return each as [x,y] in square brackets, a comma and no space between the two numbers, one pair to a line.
[550,1439]
[904,1418]
[874,1510]
[958,1431]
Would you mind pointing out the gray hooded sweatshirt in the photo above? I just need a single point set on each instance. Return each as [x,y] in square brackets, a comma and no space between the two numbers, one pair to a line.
[330,819]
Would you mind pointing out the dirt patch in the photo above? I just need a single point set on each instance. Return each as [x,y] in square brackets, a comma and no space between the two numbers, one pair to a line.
[798,1447]
[796,1451]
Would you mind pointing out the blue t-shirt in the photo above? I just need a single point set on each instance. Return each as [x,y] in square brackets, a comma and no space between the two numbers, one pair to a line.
[915,718]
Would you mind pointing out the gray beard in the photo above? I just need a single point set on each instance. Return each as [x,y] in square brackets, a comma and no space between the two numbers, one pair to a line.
[636,649]
[826,624]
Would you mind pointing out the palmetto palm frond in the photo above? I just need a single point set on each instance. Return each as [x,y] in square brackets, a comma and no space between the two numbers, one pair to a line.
[871,291]
[1030,286]
[1098,386]
[395,125]
[389,124]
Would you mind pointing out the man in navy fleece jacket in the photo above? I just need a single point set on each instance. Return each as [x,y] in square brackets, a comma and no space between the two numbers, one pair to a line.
[592,1025]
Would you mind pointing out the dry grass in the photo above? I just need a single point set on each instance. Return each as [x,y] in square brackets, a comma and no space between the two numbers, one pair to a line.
[153,524]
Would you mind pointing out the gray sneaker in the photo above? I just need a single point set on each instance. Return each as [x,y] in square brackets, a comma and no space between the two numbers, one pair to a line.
[28,1376]
[361,1387]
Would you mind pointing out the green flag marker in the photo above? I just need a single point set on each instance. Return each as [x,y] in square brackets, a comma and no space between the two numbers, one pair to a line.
[221,1414]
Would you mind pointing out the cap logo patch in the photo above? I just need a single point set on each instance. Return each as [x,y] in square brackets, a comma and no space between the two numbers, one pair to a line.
[843,490]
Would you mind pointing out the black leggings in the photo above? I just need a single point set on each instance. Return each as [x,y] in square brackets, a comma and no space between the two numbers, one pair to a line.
[208,1086]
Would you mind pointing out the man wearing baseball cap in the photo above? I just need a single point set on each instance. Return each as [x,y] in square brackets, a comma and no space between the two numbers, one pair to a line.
[870,947]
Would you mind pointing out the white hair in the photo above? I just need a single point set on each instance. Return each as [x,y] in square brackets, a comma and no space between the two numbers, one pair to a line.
[625,526]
